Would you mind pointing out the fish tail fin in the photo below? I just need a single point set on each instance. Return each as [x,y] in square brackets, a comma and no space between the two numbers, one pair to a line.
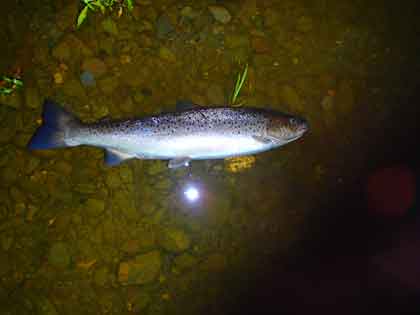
[56,122]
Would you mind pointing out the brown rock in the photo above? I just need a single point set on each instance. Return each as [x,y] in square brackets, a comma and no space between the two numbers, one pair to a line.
[95,66]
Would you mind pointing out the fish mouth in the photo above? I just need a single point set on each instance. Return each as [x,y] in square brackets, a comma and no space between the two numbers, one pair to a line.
[304,127]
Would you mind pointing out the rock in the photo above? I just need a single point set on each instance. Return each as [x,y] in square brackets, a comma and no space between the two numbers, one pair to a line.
[86,188]
[289,96]
[32,98]
[66,17]
[304,24]
[140,301]
[156,168]
[99,111]
[164,26]
[108,85]
[63,167]
[167,55]
[216,95]
[7,134]
[45,306]
[345,97]
[8,175]
[272,18]
[125,59]
[94,207]
[260,45]
[145,26]
[59,255]
[174,240]
[327,103]
[144,2]
[87,79]
[74,88]
[62,51]
[95,66]
[185,262]
[31,211]
[58,78]
[145,41]
[146,242]
[140,270]
[13,100]
[31,164]
[189,13]
[107,45]
[101,276]
[236,41]
[70,49]
[220,14]
[139,97]
[214,263]
[127,105]
[109,26]
[113,179]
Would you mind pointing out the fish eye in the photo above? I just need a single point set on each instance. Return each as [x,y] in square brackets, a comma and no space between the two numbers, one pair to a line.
[293,121]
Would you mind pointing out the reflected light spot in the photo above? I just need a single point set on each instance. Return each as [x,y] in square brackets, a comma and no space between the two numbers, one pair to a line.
[191,193]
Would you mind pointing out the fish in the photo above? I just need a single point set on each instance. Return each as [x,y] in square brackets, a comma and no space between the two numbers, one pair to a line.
[195,133]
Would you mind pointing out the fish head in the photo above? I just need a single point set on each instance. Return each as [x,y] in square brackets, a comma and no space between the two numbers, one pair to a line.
[286,128]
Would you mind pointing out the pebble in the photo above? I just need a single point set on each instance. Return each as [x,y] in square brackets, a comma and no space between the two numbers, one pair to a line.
[59,255]
[87,79]
[216,95]
[220,14]
[58,78]
[174,240]
[109,26]
[140,270]
[167,55]
[163,26]
[95,66]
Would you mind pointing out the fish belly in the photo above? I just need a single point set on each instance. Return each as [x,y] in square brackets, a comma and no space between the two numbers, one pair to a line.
[200,147]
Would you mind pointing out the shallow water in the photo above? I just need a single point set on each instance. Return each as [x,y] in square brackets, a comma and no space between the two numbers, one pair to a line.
[285,231]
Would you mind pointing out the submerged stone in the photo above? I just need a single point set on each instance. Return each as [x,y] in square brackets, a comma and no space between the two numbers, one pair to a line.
[164,26]
[290,97]
[185,262]
[220,14]
[32,98]
[167,55]
[87,79]
[94,207]
[95,66]
[214,263]
[174,240]
[13,100]
[59,255]
[140,301]
[109,26]
[140,270]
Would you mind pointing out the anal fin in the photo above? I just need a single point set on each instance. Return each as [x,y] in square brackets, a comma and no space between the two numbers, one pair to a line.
[115,157]
[262,139]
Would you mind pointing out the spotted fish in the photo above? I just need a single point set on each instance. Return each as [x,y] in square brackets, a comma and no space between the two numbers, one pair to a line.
[181,136]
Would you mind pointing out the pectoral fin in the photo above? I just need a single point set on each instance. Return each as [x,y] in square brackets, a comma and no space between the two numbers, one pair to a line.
[262,139]
[114,157]
[179,162]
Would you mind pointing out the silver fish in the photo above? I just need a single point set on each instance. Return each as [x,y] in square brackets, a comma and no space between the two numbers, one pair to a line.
[191,134]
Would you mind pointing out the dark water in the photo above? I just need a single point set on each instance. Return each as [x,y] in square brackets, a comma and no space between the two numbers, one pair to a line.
[326,224]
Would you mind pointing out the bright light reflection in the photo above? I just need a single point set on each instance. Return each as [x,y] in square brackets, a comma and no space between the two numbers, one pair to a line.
[192,193]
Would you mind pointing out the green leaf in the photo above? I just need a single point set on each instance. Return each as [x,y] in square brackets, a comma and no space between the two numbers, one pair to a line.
[100,5]
[82,16]
[240,80]
[129,4]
